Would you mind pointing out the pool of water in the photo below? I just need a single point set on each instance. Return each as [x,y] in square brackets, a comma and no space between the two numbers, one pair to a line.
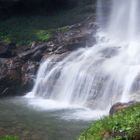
[19,117]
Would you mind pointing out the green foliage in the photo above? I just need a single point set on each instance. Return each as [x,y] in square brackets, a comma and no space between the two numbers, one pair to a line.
[23,30]
[9,138]
[123,125]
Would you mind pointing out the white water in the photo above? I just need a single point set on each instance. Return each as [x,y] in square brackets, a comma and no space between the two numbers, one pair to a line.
[99,76]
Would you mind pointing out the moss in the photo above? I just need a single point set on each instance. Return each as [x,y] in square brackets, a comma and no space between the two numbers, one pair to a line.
[9,138]
[124,125]
[23,31]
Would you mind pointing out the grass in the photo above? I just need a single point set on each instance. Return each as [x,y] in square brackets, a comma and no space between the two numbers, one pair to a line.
[23,30]
[9,138]
[124,125]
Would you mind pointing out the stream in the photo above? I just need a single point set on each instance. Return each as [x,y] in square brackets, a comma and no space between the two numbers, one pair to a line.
[17,118]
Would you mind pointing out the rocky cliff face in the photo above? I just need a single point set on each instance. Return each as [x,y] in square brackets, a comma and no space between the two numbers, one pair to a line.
[19,65]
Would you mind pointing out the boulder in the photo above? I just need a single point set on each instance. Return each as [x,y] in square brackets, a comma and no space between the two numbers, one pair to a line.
[10,76]
[29,70]
[16,76]
[119,106]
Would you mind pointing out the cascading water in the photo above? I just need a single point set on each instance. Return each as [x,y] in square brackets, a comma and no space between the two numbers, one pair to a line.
[102,75]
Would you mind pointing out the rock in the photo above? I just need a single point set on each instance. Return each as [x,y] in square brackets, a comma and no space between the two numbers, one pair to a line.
[28,71]
[25,55]
[119,106]
[7,51]
[10,76]
[33,52]
[76,42]
[75,46]
[37,56]
[33,45]
[75,26]
[19,65]
[92,25]
[16,77]
[106,136]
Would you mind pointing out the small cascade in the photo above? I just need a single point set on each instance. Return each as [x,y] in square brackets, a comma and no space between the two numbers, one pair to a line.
[102,75]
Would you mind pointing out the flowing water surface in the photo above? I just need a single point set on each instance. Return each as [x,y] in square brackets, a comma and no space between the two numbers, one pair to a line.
[28,123]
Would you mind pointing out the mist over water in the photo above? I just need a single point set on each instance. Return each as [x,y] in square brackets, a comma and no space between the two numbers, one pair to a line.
[95,78]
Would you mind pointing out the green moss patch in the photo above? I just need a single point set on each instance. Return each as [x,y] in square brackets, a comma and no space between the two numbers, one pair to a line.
[23,31]
[9,138]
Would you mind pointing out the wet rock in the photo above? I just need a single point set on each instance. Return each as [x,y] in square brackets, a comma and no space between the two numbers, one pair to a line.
[19,65]
[76,36]
[16,77]
[10,76]
[74,43]
[75,26]
[119,106]
[92,25]
[26,55]
[37,56]
[28,71]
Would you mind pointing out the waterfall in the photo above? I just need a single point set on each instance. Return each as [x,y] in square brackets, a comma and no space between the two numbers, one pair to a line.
[102,75]
[123,21]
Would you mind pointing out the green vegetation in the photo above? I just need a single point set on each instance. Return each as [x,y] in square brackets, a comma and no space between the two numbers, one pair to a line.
[23,30]
[123,125]
[9,138]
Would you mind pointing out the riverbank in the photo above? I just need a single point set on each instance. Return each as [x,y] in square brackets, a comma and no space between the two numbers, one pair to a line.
[123,125]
